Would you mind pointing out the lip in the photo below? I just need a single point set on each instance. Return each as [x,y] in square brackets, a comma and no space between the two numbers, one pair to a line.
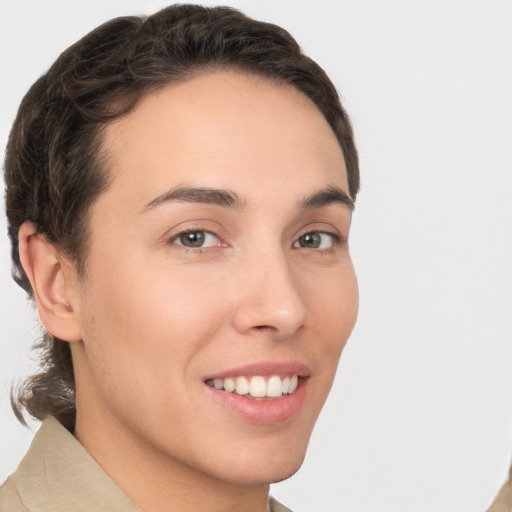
[265,369]
[262,411]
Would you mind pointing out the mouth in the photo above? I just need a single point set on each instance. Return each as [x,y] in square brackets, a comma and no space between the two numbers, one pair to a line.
[257,386]
[261,393]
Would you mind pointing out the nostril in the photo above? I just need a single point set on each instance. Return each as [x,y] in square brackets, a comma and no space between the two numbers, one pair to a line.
[264,328]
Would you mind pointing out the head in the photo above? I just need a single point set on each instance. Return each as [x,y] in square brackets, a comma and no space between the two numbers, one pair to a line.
[196,133]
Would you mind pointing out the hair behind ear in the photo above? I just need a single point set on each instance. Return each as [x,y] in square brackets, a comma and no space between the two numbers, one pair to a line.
[52,390]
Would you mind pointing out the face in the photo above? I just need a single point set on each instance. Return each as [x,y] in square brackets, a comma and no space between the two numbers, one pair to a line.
[219,290]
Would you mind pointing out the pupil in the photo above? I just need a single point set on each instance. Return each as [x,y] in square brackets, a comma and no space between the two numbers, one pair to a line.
[192,239]
[311,240]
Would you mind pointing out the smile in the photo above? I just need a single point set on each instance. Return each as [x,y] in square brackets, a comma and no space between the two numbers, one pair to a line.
[257,386]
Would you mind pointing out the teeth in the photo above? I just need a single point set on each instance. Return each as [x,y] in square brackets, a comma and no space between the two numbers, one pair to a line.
[274,387]
[257,386]
[286,385]
[294,381]
[242,386]
[229,385]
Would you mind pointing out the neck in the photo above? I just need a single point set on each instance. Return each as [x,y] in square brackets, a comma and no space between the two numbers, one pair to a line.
[157,482]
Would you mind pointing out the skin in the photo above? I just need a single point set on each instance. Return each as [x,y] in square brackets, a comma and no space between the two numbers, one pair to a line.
[153,318]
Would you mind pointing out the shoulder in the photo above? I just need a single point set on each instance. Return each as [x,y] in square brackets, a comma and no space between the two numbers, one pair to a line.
[503,502]
[57,473]
[275,506]
[10,498]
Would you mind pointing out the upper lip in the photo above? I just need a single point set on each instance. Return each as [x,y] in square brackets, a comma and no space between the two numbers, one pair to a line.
[265,369]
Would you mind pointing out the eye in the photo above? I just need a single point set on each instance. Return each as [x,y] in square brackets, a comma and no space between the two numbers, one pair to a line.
[316,240]
[196,239]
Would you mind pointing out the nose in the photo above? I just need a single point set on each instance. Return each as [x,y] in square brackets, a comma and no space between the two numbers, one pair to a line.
[270,298]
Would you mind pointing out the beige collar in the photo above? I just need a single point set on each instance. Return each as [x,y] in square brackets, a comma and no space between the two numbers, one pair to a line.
[57,473]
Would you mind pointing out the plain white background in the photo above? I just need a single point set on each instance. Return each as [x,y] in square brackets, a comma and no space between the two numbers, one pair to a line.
[420,416]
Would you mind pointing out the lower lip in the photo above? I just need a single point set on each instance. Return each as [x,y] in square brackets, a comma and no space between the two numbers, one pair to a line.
[265,412]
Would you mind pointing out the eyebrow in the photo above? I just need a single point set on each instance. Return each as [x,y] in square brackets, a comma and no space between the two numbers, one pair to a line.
[205,195]
[327,196]
[230,199]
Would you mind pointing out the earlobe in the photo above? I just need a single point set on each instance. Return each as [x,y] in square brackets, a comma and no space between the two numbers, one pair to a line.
[53,281]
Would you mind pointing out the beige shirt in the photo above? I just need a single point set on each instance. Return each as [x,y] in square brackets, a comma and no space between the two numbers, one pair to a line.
[503,502]
[58,475]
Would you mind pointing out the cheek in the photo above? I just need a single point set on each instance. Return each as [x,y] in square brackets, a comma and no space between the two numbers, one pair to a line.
[144,326]
[335,308]
[335,299]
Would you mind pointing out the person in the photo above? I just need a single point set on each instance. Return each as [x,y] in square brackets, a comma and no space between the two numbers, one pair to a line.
[179,192]
[503,500]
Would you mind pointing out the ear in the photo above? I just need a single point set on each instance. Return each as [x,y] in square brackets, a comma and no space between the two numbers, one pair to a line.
[54,282]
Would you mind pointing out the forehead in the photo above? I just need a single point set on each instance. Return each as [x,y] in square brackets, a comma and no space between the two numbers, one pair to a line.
[220,129]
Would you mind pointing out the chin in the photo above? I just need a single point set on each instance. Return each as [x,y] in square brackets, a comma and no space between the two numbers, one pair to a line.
[272,469]
[285,475]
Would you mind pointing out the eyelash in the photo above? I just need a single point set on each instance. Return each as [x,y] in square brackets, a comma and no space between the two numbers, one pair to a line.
[336,240]
[335,237]
[206,232]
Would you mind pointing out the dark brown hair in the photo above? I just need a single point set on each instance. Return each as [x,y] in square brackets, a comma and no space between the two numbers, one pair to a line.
[52,169]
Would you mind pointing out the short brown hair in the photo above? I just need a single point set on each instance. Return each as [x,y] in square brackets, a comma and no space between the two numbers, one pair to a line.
[52,169]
